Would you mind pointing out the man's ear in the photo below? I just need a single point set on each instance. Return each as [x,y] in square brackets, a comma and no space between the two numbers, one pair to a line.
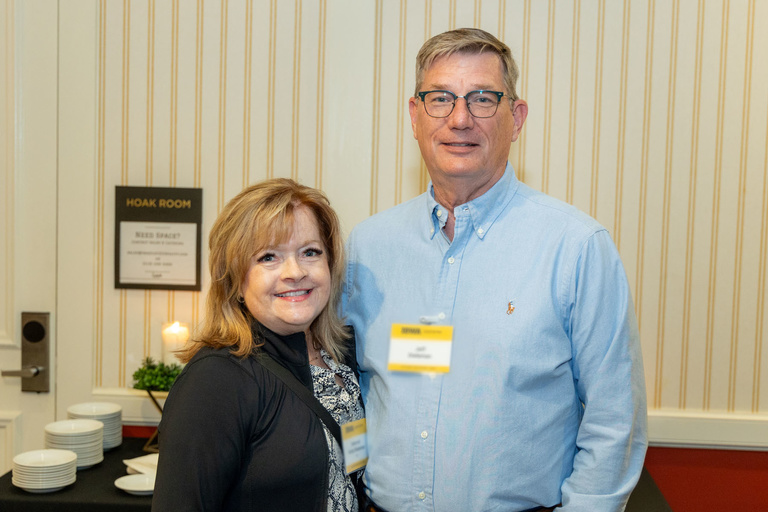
[519,113]
[413,105]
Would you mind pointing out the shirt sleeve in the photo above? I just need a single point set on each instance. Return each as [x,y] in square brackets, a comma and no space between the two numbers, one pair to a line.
[608,374]
[204,436]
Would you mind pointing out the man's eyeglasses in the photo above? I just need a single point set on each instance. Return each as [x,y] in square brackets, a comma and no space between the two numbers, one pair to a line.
[479,103]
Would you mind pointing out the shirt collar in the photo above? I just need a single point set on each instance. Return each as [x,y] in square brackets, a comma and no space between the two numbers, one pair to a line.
[483,210]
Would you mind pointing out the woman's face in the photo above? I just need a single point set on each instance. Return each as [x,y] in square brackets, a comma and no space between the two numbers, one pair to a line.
[288,285]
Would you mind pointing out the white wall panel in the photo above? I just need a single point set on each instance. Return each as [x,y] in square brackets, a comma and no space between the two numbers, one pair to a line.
[652,116]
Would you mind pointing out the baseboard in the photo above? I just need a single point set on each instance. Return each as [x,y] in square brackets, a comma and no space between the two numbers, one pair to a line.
[714,430]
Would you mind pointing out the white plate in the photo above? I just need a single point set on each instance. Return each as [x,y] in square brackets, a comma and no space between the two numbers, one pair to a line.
[44,483]
[139,485]
[42,491]
[84,444]
[89,409]
[45,458]
[47,483]
[85,464]
[36,472]
[74,427]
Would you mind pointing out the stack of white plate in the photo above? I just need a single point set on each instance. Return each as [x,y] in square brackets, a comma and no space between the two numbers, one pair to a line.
[41,471]
[84,437]
[111,415]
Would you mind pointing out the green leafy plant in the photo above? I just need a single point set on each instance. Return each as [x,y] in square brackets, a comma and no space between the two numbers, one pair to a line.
[154,376]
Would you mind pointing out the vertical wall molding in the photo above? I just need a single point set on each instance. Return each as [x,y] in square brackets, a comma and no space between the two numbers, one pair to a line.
[7,166]
[10,438]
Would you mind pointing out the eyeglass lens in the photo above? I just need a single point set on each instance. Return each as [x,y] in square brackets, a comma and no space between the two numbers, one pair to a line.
[479,103]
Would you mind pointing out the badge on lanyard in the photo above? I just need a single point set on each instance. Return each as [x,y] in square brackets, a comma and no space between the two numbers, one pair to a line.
[420,348]
[354,445]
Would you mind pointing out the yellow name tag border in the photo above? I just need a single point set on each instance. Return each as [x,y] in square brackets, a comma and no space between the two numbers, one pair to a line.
[423,332]
[353,428]
[356,466]
[398,367]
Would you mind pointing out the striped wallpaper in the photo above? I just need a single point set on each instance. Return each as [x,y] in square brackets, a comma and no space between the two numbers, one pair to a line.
[652,116]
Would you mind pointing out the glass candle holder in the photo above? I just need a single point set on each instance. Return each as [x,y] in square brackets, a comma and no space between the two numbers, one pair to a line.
[175,336]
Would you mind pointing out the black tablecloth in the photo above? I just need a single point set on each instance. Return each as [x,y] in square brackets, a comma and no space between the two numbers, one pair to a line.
[94,490]
[647,497]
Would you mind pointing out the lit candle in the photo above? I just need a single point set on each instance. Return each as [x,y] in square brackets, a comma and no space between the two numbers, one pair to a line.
[175,336]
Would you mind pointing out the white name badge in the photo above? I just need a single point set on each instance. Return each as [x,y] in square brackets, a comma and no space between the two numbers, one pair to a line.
[354,445]
[420,348]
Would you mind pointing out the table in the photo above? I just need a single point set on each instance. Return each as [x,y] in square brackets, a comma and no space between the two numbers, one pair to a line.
[94,490]
[647,497]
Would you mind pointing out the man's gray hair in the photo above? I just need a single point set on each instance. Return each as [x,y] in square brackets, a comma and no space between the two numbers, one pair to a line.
[467,40]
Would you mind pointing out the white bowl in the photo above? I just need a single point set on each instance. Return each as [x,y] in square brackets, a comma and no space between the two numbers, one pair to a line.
[93,409]
[73,427]
[139,484]
[45,458]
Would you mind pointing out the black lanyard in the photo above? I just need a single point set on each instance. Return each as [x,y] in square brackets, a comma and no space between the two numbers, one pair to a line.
[302,392]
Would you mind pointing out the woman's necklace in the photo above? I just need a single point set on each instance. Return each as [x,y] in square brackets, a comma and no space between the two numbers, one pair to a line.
[312,353]
[318,357]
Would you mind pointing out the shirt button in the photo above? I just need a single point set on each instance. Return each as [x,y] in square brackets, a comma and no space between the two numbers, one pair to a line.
[424,434]
[422,495]
[480,231]
[451,260]
[439,213]
[432,231]
[441,316]
[466,208]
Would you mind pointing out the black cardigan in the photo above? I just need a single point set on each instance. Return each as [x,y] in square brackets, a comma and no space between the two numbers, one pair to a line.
[235,438]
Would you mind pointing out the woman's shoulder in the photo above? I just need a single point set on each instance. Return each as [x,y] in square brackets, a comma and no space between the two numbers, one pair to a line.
[217,372]
[210,360]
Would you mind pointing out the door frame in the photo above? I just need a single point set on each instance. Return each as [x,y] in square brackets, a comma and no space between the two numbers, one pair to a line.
[28,170]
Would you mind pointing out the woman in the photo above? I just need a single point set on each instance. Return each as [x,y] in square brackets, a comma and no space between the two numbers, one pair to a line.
[233,436]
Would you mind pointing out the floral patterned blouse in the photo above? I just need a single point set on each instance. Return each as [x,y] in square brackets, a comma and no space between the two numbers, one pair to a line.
[345,405]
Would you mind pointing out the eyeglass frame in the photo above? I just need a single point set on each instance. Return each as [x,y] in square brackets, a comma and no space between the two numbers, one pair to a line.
[499,95]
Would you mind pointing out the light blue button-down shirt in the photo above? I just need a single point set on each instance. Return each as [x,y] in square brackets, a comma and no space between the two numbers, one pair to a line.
[545,398]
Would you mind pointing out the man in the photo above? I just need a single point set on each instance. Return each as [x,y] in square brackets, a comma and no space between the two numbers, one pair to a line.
[540,402]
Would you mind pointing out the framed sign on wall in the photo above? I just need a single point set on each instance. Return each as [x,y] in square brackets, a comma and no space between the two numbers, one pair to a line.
[158,234]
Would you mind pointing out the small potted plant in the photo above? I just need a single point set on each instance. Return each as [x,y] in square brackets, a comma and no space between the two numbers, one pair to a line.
[152,376]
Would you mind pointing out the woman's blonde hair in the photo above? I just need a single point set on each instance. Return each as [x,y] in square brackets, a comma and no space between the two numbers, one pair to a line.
[258,217]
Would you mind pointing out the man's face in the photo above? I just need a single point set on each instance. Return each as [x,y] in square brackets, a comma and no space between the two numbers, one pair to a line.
[462,146]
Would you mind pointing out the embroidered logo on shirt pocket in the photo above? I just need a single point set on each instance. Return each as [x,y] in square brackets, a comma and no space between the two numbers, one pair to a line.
[511,307]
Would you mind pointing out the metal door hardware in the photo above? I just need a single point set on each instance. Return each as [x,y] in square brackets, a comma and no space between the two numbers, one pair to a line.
[35,353]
